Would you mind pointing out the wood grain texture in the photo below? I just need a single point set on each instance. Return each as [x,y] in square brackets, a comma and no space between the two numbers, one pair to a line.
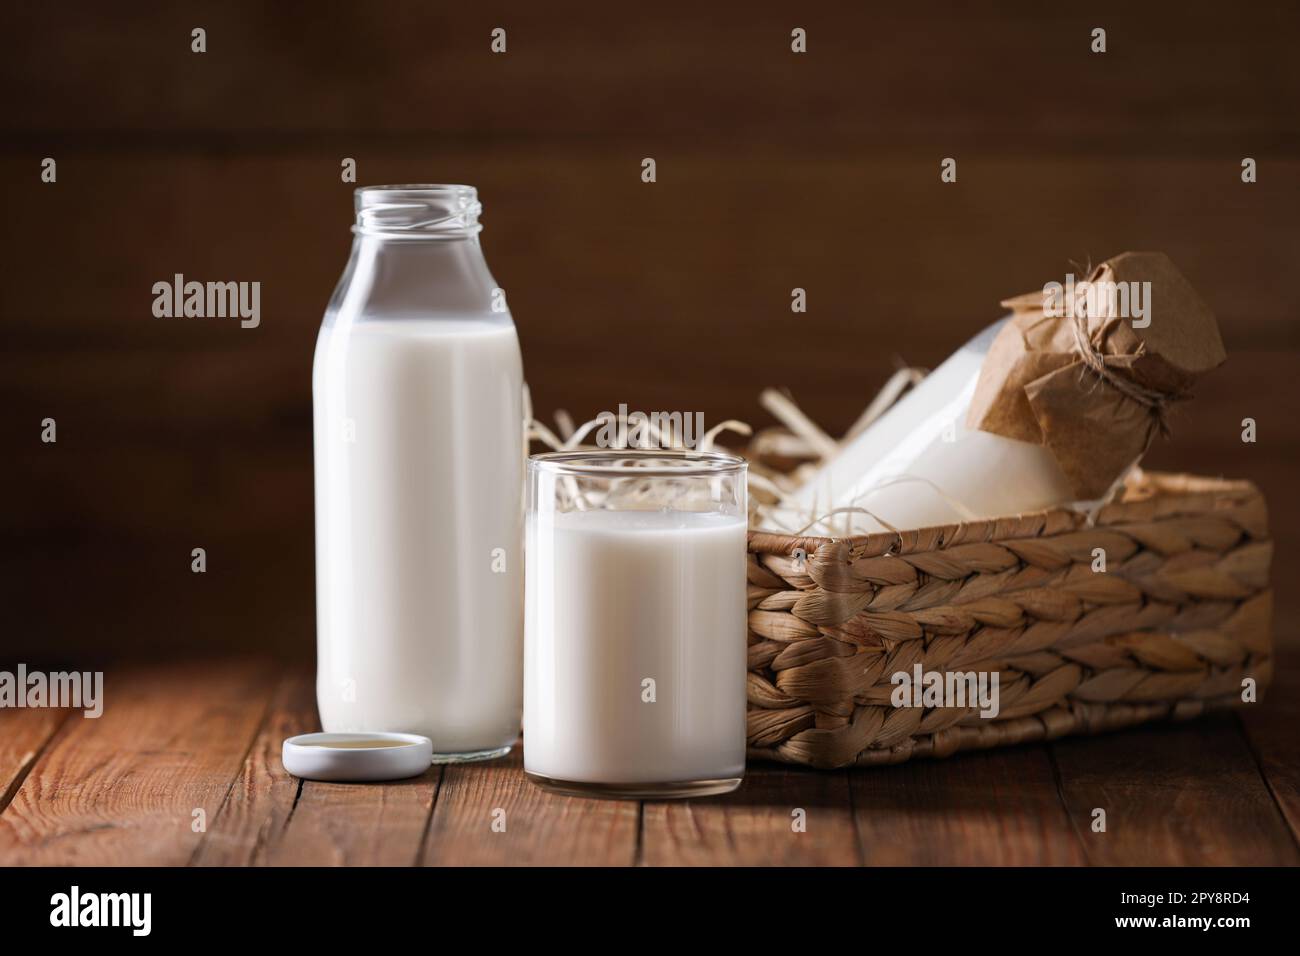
[1272,727]
[540,828]
[272,818]
[123,789]
[338,824]
[756,825]
[997,808]
[1174,795]
[24,734]
[893,260]
[928,72]
[341,824]
[250,822]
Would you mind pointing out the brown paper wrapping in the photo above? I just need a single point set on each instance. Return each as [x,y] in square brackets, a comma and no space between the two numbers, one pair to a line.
[1036,386]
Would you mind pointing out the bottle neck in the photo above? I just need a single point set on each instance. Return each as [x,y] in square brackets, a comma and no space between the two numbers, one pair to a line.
[416,253]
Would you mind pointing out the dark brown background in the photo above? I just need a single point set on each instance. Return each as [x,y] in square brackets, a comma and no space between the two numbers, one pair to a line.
[774,171]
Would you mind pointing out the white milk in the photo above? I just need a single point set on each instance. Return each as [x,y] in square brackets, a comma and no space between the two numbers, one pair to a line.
[614,598]
[419,465]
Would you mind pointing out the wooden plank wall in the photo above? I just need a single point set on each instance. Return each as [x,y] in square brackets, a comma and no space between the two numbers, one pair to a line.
[774,171]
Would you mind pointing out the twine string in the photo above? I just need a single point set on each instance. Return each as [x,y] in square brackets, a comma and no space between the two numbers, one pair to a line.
[1156,401]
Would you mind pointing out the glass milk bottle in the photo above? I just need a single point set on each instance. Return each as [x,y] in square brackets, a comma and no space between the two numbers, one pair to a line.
[418,421]
[919,465]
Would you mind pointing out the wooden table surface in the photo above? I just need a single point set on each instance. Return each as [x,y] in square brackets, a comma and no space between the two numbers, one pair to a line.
[183,768]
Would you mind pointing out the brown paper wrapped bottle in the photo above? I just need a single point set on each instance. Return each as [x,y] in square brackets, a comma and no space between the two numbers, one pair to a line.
[1089,371]
[1050,406]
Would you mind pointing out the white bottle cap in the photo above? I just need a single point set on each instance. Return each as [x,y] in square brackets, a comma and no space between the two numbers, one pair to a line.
[357,756]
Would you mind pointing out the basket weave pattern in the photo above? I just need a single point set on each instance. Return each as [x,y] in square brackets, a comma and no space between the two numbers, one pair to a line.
[1172,627]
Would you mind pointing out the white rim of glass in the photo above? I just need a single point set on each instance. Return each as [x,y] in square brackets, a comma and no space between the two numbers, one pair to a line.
[635,462]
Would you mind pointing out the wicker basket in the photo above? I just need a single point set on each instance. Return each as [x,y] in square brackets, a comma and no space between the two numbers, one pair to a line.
[1180,617]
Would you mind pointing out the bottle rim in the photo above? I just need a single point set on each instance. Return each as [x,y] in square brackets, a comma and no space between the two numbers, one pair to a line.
[418,211]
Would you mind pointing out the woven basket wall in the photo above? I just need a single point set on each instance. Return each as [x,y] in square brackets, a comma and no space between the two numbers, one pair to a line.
[1179,618]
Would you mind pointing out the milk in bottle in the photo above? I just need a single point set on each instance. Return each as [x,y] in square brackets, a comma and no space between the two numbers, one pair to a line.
[419,465]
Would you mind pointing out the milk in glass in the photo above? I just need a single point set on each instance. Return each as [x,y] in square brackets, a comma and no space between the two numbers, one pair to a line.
[636,637]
